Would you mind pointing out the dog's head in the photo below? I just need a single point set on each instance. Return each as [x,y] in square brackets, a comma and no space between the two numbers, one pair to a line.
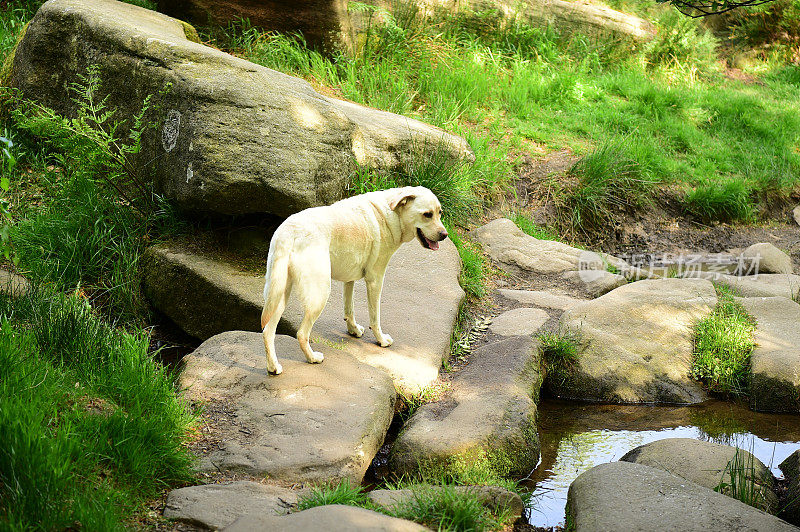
[419,211]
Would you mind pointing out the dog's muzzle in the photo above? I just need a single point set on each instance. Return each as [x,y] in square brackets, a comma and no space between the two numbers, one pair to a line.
[428,243]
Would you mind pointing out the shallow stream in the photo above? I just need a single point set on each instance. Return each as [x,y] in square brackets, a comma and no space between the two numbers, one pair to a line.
[576,437]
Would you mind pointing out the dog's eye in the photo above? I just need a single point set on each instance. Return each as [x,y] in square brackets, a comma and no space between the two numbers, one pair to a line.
[428,214]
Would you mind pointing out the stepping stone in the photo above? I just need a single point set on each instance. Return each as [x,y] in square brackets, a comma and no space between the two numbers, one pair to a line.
[766,258]
[708,464]
[636,343]
[625,496]
[520,321]
[314,422]
[331,518]
[597,282]
[775,362]
[540,298]
[13,284]
[421,296]
[488,416]
[791,472]
[214,506]
[515,251]
[495,498]
[761,285]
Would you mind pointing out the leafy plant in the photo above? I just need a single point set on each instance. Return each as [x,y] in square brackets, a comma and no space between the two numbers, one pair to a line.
[7,164]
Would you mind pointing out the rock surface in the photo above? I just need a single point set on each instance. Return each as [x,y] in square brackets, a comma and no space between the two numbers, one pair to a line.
[707,464]
[775,362]
[540,298]
[565,17]
[234,137]
[625,496]
[761,285]
[488,416]
[637,343]
[13,284]
[332,518]
[495,498]
[325,24]
[506,244]
[520,321]
[311,423]
[420,301]
[597,282]
[768,258]
[796,214]
[791,472]
[214,506]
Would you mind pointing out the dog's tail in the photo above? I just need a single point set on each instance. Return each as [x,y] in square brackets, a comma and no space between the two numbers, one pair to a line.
[277,276]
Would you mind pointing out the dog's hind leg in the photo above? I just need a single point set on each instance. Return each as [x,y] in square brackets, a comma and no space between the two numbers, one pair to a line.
[353,328]
[272,319]
[313,286]
[277,287]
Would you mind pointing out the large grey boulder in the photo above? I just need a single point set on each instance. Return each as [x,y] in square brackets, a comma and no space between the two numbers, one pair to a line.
[331,518]
[586,18]
[768,258]
[796,214]
[791,472]
[761,285]
[12,284]
[312,423]
[775,362]
[207,295]
[515,251]
[710,465]
[234,137]
[636,343]
[214,506]
[324,24]
[488,418]
[625,496]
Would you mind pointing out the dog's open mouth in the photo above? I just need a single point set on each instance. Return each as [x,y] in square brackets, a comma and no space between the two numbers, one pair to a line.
[430,244]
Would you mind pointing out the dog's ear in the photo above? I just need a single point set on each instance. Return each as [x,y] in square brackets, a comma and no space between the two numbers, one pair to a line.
[401,198]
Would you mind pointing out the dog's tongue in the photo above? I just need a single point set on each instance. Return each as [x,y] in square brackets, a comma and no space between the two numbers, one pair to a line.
[434,245]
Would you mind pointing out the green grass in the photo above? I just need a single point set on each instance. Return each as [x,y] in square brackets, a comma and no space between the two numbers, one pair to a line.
[740,481]
[560,352]
[90,426]
[440,507]
[676,124]
[723,343]
[429,394]
[530,228]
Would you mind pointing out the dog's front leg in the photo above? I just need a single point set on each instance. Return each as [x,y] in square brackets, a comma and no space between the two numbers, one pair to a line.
[352,327]
[374,288]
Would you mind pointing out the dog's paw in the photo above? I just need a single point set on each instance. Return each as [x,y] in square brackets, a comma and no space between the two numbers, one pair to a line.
[386,341]
[316,357]
[278,370]
[355,330]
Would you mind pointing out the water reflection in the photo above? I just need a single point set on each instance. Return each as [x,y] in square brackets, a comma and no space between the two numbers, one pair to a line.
[577,437]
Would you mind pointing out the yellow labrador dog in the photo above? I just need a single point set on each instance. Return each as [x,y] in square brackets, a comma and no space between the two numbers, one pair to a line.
[349,240]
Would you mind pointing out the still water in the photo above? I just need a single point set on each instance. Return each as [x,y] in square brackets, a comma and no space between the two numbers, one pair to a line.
[576,437]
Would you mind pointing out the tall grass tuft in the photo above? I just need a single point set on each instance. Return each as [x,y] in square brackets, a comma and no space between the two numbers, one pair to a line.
[341,492]
[91,425]
[723,343]
[445,508]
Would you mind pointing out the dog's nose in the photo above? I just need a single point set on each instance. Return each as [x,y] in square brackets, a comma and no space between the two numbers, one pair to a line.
[442,235]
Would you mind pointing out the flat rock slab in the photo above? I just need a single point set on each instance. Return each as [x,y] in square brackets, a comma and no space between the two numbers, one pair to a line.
[495,498]
[540,298]
[13,284]
[761,285]
[421,296]
[597,282]
[489,415]
[332,518]
[708,464]
[625,496]
[519,321]
[775,362]
[235,137]
[312,423]
[796,214]
[214,506]
[636,343]
[515,251]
